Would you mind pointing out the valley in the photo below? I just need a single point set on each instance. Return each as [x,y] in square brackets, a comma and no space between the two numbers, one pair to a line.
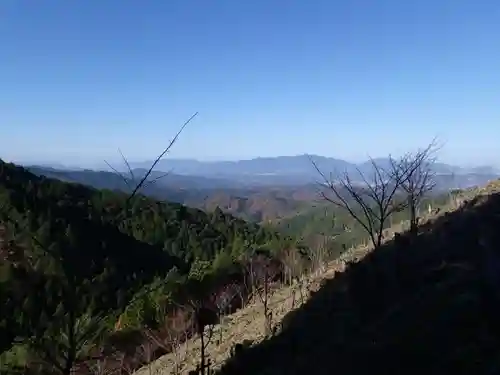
[246,190]
[249,187]
[155,258]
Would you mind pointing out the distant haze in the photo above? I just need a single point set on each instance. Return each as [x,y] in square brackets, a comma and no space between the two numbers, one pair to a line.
[285,165]
[283,170]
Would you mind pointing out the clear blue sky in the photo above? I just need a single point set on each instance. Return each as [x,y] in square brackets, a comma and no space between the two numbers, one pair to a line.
[81,78]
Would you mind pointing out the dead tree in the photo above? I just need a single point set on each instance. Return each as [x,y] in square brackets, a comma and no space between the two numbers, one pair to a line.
[175,342]
[147,352]
[294,266]
[371,201]
[227,299]
[415,171]
[260,274]
[205,317]
[318,254]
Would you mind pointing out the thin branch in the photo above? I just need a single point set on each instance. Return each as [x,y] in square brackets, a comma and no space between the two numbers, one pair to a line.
[167,149]
[375,200]
[130,171]
[119,174]
[418,177]
[342,202]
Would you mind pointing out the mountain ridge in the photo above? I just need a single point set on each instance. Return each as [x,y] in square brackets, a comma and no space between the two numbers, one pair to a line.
[287,165]
[277,171]
[259,202]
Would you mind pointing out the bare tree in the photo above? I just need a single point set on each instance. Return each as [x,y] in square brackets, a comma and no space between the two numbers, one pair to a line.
[104,365]
[205,318]
[226,300]
[147,351]
[415,171]
[172,338]
[175,341]
[370,202]
[318,254]
[293,265]
[260,274]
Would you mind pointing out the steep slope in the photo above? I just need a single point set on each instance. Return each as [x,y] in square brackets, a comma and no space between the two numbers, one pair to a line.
[86,245]
[424,305]
[247,325]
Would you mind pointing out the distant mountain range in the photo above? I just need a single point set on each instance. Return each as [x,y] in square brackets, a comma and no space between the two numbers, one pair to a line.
[286,171]
[259,203]
[284,165]
[293,170]
[259,189]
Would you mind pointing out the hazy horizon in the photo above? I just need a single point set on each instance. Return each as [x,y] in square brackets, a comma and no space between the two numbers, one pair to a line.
[118,162]
[269,78]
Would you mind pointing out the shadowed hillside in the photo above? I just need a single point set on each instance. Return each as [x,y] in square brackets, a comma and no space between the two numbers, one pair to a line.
[427,305]
[258,203]
[80,268]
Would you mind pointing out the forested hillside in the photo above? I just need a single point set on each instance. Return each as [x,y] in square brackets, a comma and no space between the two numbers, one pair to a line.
[327,221]
[77,262]
[257,204]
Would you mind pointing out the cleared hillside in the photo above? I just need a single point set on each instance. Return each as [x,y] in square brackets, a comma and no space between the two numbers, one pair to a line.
[425,306]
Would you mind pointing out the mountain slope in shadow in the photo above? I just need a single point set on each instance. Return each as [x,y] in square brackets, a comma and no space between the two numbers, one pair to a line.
[427,305]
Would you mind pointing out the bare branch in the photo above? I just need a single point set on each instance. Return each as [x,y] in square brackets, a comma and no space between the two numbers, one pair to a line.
[128,165]
[167,149]
[119,174]
[340,201]
[151,182]
[144,180]
[369,204]
[418,178]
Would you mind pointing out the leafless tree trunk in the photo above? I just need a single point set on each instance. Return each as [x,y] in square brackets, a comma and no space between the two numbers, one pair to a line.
[370,204]
[224,299]
[293,265]
[205,341]
[175,343]
[293,270]
[415,170]
[260,276]
[204,317]
[116,364]
[318,254]
[172,337]
[147,352]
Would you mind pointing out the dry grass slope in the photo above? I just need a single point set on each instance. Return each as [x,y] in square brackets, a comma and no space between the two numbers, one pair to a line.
[246,324]
[413,308]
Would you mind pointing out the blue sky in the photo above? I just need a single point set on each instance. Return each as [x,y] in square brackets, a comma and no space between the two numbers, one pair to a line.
[80,79]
